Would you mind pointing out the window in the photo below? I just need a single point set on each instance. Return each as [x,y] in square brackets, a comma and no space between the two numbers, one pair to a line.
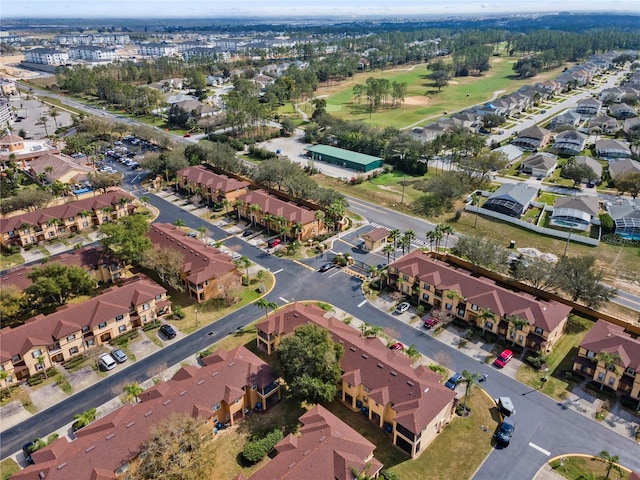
[474,307]
[73,350]
[520,338]
[427,286]
[119,318]
[512,334]
[237,401]
[448,306]
[91,342]
[206,283]
[71,219]
[39,366]
[405,278]
[144,318]
[15,358]
[489,325]
[71,338]
[85,329]
[52,234]
[538,330]
[122,328]
[425,297]
[590,354]
[600,376]
[630,371]
[36,353]
[85,224]
[145,306]
[612,380]
[102,325]
[254,387]
[216,407]
[11,233]
[158,297]
[105,218]
[366,389]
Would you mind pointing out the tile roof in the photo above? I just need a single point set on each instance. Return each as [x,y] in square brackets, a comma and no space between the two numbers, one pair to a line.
[106,444]
[610,338]
[45,330]
[274,206]
[325,448]
[483,292]
[66,210]
[200,175]
[583,203]
[201,262]
[85,257]
[415,393]
[377,234]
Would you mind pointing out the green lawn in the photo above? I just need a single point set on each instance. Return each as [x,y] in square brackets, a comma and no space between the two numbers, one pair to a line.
[10,260]
[576,467]
[560,360]
[8,467]
[423,100]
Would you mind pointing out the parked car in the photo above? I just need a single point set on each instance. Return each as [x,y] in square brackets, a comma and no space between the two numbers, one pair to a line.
[505,432]
[27,450]
[402,307]
[187,135]
[326,267]
[503,358]
[247,233]
[505,406]
[455,379]
[431,322]
[381,266]
[119,355]
[192,234]
[106,362]
[397,346]
[168,331]
[273,242]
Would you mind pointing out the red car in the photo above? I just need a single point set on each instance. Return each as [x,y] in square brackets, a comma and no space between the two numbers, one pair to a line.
[431,322]
[187,135]
[503,358]
[397,346]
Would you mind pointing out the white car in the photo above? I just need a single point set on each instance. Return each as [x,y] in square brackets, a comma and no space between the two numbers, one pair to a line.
[402,307]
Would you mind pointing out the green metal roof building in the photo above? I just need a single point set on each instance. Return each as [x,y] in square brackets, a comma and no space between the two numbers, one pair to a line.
[344,158]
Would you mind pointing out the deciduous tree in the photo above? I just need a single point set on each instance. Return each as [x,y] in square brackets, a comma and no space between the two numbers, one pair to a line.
[127,238]
[55,283]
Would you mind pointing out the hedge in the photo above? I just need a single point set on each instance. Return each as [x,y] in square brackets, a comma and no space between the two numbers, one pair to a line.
[256,450]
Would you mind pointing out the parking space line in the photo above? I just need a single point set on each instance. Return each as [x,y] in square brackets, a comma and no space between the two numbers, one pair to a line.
[362,303]
[277,271]
[283,299]
[540,449]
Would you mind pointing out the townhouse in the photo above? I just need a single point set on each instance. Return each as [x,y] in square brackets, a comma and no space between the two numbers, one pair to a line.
[606,338]
[64,220]
[275,214]
[323,440]
[102,266]
[409,403]
[206,272]
[479,301]
[43,341]
[229,386]
[213,186]
[532,138]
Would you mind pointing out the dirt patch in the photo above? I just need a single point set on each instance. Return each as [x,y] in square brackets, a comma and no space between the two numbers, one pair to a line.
[419,101]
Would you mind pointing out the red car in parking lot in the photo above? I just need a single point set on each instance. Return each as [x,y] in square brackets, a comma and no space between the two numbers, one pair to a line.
[503,358]
[430,322]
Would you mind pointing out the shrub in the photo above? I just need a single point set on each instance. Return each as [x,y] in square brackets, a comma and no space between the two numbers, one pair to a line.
[255,450]
[178,312]
[151,325]
[205,353]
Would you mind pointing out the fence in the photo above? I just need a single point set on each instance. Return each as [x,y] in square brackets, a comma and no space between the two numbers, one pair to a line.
[594,242]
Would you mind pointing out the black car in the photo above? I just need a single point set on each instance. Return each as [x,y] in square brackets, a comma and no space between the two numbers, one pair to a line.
[505,432]
[247,233]
[326,267]
[168,331]
[27,450]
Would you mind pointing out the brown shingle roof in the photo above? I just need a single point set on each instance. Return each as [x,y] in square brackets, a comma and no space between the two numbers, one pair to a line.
[610,338]
[325,449]
[483,292]
[110,441]
[274,206]
[200,261]
[415,393]
[66,210]
[377,234]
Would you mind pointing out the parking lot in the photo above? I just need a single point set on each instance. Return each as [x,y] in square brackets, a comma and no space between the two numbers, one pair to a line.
[30,112]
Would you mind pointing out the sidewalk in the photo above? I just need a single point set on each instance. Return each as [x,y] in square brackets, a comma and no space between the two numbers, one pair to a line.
[618,420]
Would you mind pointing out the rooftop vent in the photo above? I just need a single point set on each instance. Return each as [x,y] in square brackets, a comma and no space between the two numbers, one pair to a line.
[130,424]
[200,382]
[393,373]
[214,374]
[166,402]
[183,392]
[62,465]
[411,384]
[89,449]
[353,349]
[110,436]
[365,356]
[148,413]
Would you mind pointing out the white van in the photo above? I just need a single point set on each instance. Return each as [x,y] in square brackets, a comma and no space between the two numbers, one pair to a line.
[106,362]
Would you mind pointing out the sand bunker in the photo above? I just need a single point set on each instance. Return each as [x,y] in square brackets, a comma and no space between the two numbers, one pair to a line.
[419,101]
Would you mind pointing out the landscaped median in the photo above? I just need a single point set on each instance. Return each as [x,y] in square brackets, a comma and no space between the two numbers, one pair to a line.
[580,467]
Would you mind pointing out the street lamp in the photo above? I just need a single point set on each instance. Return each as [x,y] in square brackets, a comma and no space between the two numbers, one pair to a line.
[546,372]
[195,310]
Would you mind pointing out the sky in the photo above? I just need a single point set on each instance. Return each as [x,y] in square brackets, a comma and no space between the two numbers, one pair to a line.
[293,8]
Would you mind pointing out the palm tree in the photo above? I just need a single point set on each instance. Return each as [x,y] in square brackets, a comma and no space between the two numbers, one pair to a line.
[447,230]
[133,391]
[609,361]
[611,460]
[144,199]
[42,364]
[404,243]
[53,113]
[486,314]
[43,121]
[373,270]
[407,237]
[266,304]
[179,223]
[225,204]
[3,378]
[201,232]
[373,331]
[469,379]
[85,418]
[237,204]
[475,201]
[244,262]
[516,324]
[437,236]
[296,229]
[393,236]
[388,249]
[253,210]
[319,217]
[363,327]
[267,218]
[412,352]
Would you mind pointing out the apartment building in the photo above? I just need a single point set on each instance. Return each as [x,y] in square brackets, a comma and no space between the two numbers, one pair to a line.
[206,271]
[46,56]
[480,301]
[157,49]
[43,341]
[94,54]
[64,220]
[269,211]
[407,402]
[624,374]
[212,186]
[230,386]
